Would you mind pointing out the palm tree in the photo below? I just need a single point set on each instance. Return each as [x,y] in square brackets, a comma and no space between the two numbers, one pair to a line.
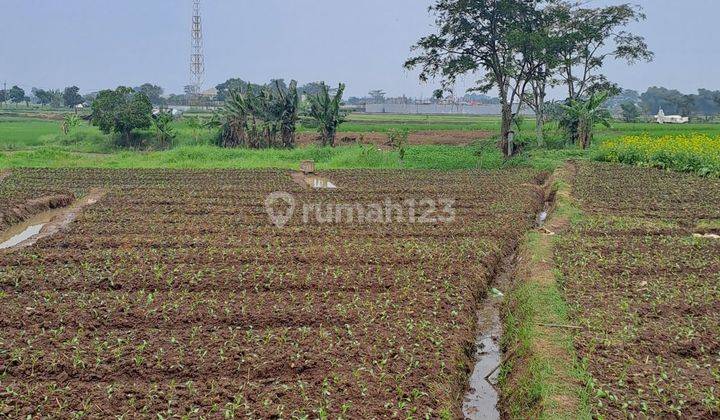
[326,111]
[585,115]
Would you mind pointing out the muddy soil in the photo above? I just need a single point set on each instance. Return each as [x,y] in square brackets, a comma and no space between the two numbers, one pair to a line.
[17,214]
[177,294]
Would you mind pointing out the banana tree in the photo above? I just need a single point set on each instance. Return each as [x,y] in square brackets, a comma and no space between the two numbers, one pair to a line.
[584,115]
[325,109]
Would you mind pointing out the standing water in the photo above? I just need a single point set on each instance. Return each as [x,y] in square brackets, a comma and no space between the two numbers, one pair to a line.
[481,400]
[26,234]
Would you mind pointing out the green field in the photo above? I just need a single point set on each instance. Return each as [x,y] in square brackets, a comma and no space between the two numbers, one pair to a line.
[28,138]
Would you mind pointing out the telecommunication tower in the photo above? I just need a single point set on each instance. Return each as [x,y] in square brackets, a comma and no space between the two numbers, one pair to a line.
[197,57]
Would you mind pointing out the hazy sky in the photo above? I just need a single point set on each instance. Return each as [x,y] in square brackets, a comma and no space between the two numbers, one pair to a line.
[98,44]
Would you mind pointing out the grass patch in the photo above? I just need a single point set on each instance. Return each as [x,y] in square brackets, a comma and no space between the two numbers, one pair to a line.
[542,378]
[201,157]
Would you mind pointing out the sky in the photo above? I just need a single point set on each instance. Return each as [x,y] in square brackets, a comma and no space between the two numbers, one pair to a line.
[99,44]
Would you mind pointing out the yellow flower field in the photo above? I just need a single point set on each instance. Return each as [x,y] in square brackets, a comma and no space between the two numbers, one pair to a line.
[697,153]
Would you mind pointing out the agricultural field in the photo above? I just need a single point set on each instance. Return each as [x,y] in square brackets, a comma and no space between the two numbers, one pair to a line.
[696,153]
[641,274]
[175,295]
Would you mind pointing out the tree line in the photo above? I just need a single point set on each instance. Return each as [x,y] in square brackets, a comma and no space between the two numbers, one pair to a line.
[521,48]
[251,116]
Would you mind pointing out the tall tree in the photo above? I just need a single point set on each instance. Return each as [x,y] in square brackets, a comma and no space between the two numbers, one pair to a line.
[378,96]
[591,37]
[489,36]
[43,96]
[16,94]
[153,92]
[630,112]
[312,88]
[72,97]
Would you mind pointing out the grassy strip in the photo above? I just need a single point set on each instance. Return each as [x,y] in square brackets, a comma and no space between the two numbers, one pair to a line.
[480,156]
[542,377]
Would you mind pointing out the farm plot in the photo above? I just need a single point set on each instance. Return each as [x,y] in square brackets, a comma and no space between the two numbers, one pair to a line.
[642,274]
[176,295]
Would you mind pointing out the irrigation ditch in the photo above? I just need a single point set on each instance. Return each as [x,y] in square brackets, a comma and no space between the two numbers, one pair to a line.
[523,341]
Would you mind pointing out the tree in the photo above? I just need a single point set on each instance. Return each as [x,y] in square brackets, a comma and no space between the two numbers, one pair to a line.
[492,36]
[587,114]
[16,94]
[43,96]
[286,107]
[237,85]
[545,57]
[256,119]
[3,95]
[164,131]
[312,88]
[121,111]
[630,112]
[686,105]
[378,96]
[153,92]
[72,97]
[590,37]
[325,110]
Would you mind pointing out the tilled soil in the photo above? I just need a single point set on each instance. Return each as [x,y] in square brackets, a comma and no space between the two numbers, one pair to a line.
[646,291]
[175,295]
[436,137]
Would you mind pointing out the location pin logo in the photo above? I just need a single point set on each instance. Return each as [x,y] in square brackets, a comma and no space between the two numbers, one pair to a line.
[273,204]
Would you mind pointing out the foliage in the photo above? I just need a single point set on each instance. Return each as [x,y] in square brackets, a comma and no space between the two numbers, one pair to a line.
[16,94]
[630,112]
[72,97]
[43,96]
[325,109]
[496,37]
[698,153]
[153,92]
[590,37]
[398,140]
[70,121]
[583,115]
[122,111]
[164,131]
[260,119]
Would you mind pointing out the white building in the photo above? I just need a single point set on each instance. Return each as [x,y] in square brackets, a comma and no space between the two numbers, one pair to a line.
[661,118]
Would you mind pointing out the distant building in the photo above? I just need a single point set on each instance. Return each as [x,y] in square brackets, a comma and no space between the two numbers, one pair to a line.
[661,118]
[210,93]
[438,109]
